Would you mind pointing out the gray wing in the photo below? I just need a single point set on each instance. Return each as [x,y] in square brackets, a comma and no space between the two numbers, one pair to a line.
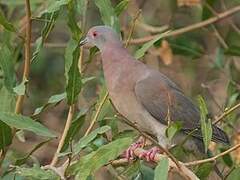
[165,101]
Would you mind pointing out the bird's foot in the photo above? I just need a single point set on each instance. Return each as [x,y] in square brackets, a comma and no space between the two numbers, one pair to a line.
[129,153]
[150,154]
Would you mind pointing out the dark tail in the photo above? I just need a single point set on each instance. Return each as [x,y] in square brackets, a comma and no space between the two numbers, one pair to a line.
[219,135]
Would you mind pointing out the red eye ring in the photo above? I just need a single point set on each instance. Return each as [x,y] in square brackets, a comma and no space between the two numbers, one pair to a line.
[94,34]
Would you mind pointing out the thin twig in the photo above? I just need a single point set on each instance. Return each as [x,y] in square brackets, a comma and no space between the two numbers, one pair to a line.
[219,118]
[132,28]
[152,29]
[193,163]
[97,114]
[65,131]
[190,27]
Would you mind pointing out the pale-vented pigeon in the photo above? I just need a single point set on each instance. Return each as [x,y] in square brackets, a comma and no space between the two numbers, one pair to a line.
[144,95]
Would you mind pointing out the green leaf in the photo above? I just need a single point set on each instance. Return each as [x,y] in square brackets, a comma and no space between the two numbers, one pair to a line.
[25,123]
[53,100]
[206,125]
[22,160]
[6,24]
[227,159]
[74,83]
[234,175]
[7,66]
[72,22]
[21,88]
[74,129]
[50,20]
[233,51]
[161,171]
[204,170]
[54,6]
[36,173]
[147,173]
[120,7]
[7,105]
[108,14]
[8,100]
[5,135]
[172,129]
[186,46]
[219,59]
[132,170]
[140,52]
[88,164]
[84,141]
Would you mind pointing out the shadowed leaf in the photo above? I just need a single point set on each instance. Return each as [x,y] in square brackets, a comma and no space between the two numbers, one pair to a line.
[6,24]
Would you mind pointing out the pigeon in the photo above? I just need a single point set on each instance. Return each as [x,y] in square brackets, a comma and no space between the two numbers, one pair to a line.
[145,96]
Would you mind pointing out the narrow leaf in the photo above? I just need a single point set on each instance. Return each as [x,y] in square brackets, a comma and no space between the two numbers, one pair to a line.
[84,141]
[74,83]
[21,88]
[120,7]
[172,129]
[25,123]
[140,52]
[206,125]
[234,175]
[36,173]
[161,171]
[6,24]
[108,14]
[53,100]
[93,161]
[7,66]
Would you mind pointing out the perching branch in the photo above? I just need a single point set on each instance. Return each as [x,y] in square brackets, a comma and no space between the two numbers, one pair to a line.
[193,163]
[191,27]
[183,170]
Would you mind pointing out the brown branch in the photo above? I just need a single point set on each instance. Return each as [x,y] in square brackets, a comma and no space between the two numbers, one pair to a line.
[65,131]
[193,163]
[27,53]
[226,113]
[191,27]
[183,170]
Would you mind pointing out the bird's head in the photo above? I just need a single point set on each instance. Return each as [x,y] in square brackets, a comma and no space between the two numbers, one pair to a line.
[100,36]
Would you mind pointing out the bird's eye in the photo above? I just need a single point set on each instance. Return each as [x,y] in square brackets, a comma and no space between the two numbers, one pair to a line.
[94,34]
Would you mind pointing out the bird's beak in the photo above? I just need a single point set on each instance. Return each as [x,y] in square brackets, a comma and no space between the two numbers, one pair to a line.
[83,41]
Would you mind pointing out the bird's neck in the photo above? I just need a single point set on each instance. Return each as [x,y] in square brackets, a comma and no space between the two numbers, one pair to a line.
[115,56]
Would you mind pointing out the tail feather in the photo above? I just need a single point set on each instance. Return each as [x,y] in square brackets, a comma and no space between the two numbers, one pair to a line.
[219,135]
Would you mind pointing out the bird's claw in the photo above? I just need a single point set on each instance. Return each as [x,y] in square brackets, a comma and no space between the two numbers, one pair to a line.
[129,153]
[150,154]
